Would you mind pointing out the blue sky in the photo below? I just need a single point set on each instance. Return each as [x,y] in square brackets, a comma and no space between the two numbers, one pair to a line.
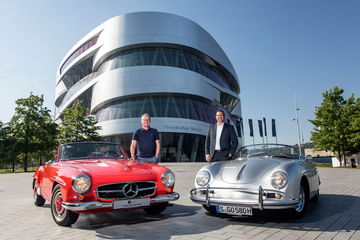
[279,48]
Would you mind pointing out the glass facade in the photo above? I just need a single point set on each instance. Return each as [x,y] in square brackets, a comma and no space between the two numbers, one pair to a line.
[77,72]
[74,90]
[175,147]
[163,56]
[79,51]
[159,106]
[228,101]
[85,98]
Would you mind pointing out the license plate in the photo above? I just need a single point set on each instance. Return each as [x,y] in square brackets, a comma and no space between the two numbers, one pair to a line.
[132,203]
[232,210]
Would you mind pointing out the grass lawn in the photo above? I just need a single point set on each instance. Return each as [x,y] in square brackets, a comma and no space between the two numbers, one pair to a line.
[30,169]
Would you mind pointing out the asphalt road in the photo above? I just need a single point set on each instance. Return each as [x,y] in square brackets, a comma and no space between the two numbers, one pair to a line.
[335,216]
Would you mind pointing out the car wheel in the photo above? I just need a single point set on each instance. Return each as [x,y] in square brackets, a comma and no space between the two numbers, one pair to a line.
[62,216]
[300,208]
[157,209]
[210,209]
[38,199]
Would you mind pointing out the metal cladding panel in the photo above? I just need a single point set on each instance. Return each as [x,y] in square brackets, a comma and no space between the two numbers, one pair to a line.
[156,27]
[130,125]
[149,80]
[73,95]
[142,28]
[85,55]
[60,90]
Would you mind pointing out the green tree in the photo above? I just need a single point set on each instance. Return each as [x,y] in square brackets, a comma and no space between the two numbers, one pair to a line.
[32,127]
[354,126]
[7,142]
[332,131]
[77,127]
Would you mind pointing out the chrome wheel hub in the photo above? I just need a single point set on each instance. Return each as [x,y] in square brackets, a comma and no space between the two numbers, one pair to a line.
[301,203]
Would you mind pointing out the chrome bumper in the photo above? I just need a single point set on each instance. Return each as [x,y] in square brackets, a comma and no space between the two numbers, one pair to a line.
[260,203]
[96,205]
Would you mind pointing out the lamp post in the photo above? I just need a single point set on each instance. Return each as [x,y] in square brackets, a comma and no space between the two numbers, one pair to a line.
[297,123]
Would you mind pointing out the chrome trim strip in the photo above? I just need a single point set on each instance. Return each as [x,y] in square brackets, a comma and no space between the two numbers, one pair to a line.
[260,203]
[240,172]
[140,189]
[109,191]
[53,179]
[126,183]
[261,200]
[97,205]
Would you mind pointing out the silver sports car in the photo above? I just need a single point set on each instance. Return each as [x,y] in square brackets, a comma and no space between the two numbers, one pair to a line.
[262,176]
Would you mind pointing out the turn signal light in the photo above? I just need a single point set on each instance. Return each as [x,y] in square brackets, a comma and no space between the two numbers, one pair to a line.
[81,197]
[168,190]
[278,195]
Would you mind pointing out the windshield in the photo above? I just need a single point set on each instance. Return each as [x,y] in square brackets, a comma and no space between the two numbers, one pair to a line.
[81,150]
[267,150]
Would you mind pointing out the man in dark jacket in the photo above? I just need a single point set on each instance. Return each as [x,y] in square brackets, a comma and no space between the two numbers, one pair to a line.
[221,141]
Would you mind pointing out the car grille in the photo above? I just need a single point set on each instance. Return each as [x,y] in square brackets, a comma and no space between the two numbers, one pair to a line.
[126,190]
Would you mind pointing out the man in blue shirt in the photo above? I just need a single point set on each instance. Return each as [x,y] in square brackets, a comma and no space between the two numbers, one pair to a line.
[148,140]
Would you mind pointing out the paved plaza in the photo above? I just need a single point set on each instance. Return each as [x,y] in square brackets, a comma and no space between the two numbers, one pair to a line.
[335,216]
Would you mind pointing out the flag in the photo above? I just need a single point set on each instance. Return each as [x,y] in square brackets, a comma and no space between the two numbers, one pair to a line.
[238,127]
[241,125]
[265,132]
[240,122]
[273,127]
[251,128]
[260,128]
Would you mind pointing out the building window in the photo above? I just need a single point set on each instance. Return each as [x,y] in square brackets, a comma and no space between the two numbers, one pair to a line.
[79,51]
[175,147]
[159,106]
[162,56]
[77,72]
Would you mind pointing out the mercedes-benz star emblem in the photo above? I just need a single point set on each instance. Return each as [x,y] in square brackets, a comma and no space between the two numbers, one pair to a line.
[130,190]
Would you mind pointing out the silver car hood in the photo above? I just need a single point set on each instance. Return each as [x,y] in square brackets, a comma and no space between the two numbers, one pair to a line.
[246,171]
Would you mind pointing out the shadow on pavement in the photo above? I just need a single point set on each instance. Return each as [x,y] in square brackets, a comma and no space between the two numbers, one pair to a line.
[97,221]
[329,206]
[181,220]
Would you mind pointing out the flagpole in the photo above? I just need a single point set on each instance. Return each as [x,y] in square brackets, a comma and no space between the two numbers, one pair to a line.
[297,123]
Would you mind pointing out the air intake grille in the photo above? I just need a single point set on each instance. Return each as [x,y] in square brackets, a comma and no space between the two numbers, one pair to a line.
[119,190]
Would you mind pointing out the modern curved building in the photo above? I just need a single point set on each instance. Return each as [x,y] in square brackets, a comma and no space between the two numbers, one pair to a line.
[158,63]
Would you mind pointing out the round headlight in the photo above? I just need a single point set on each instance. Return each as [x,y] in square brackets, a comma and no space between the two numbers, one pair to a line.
[168,178]
[81,183]
[203,178]
[279,180]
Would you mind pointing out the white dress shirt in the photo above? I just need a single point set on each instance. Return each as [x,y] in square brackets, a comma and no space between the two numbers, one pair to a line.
[219,129]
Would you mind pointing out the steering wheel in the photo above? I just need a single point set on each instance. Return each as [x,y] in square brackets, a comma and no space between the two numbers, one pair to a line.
[110,153]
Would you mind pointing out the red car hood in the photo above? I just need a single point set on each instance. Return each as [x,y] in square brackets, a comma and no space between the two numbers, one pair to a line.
[110,167]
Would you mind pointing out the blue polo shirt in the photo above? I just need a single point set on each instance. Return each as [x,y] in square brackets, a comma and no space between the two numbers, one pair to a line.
[146,141]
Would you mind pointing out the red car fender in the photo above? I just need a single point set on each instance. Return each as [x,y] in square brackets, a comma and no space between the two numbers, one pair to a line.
[67,194]
[159,170]
[38,176]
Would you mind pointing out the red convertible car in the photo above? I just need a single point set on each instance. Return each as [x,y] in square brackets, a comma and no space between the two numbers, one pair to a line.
[97,177]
